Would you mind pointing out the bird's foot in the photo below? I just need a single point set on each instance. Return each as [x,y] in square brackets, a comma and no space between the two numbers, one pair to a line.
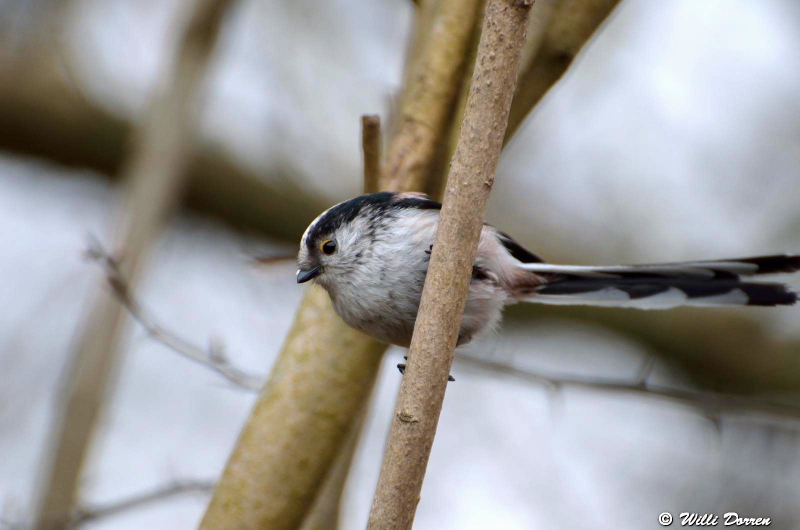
[402,368]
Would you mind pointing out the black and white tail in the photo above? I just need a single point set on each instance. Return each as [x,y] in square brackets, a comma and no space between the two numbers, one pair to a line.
[665,285]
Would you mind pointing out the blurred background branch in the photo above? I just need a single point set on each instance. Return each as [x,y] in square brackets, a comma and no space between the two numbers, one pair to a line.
[44,115]
[324,513]
[554,45]
[214,357]
[91,514]
[726,350]
[710,404]
[430,95]
[154,175]
[294,433]
[371,149]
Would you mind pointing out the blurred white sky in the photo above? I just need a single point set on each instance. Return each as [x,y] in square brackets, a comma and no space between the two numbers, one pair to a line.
[674,136]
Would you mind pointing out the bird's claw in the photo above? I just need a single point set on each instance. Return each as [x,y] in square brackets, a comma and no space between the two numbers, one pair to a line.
[402,368]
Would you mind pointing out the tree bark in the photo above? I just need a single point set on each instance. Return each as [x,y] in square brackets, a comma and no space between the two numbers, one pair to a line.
[447,283]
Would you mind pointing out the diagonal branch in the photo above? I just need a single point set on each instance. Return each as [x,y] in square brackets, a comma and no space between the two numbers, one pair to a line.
[571,24]
[213,358]
[154,176]
[89,514]
[430,94]
[324,512]
[710,404]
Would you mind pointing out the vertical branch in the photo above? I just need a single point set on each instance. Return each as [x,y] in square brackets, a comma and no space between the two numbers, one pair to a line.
[154,176]
[325,368]
[447,283]
[371,148]
[324,513]
[572,23]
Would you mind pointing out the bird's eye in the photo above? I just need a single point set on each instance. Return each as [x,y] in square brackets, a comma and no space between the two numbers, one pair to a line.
[328,247]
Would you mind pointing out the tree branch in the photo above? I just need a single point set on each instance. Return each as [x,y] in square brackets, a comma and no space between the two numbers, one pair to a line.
[371,148]
[447,283]
[571,25]
[42,114]
[711,404]
[430,95]
[319,382]
[154,176]
[213,358]
[324,512]
[723,350]
[93,513]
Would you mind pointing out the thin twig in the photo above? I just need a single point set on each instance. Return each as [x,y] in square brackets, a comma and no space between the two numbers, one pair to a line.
[93,513]
[371,147]
[273,260]
[710,404]
[213,358]
[644,372]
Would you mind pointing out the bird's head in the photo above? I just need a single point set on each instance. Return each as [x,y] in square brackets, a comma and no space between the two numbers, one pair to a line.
[337,240]
[341,239]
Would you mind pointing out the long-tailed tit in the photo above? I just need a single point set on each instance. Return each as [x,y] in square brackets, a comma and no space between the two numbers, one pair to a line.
[371,254]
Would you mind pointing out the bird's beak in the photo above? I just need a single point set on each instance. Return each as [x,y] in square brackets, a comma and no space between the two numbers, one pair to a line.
[303,275]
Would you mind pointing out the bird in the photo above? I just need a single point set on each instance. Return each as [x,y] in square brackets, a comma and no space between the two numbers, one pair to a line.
[371,254]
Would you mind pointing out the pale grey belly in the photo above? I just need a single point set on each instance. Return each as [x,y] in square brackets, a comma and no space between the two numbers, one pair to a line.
[386,314]
[390,318]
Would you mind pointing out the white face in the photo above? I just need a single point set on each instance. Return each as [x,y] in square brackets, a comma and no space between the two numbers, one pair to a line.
[343,238]
[329,251]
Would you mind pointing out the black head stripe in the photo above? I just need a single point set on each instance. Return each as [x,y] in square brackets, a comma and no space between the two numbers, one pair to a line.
[373,204]
[420,202]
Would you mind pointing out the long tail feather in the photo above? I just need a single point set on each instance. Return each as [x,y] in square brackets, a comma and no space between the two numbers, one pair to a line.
[666,285]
